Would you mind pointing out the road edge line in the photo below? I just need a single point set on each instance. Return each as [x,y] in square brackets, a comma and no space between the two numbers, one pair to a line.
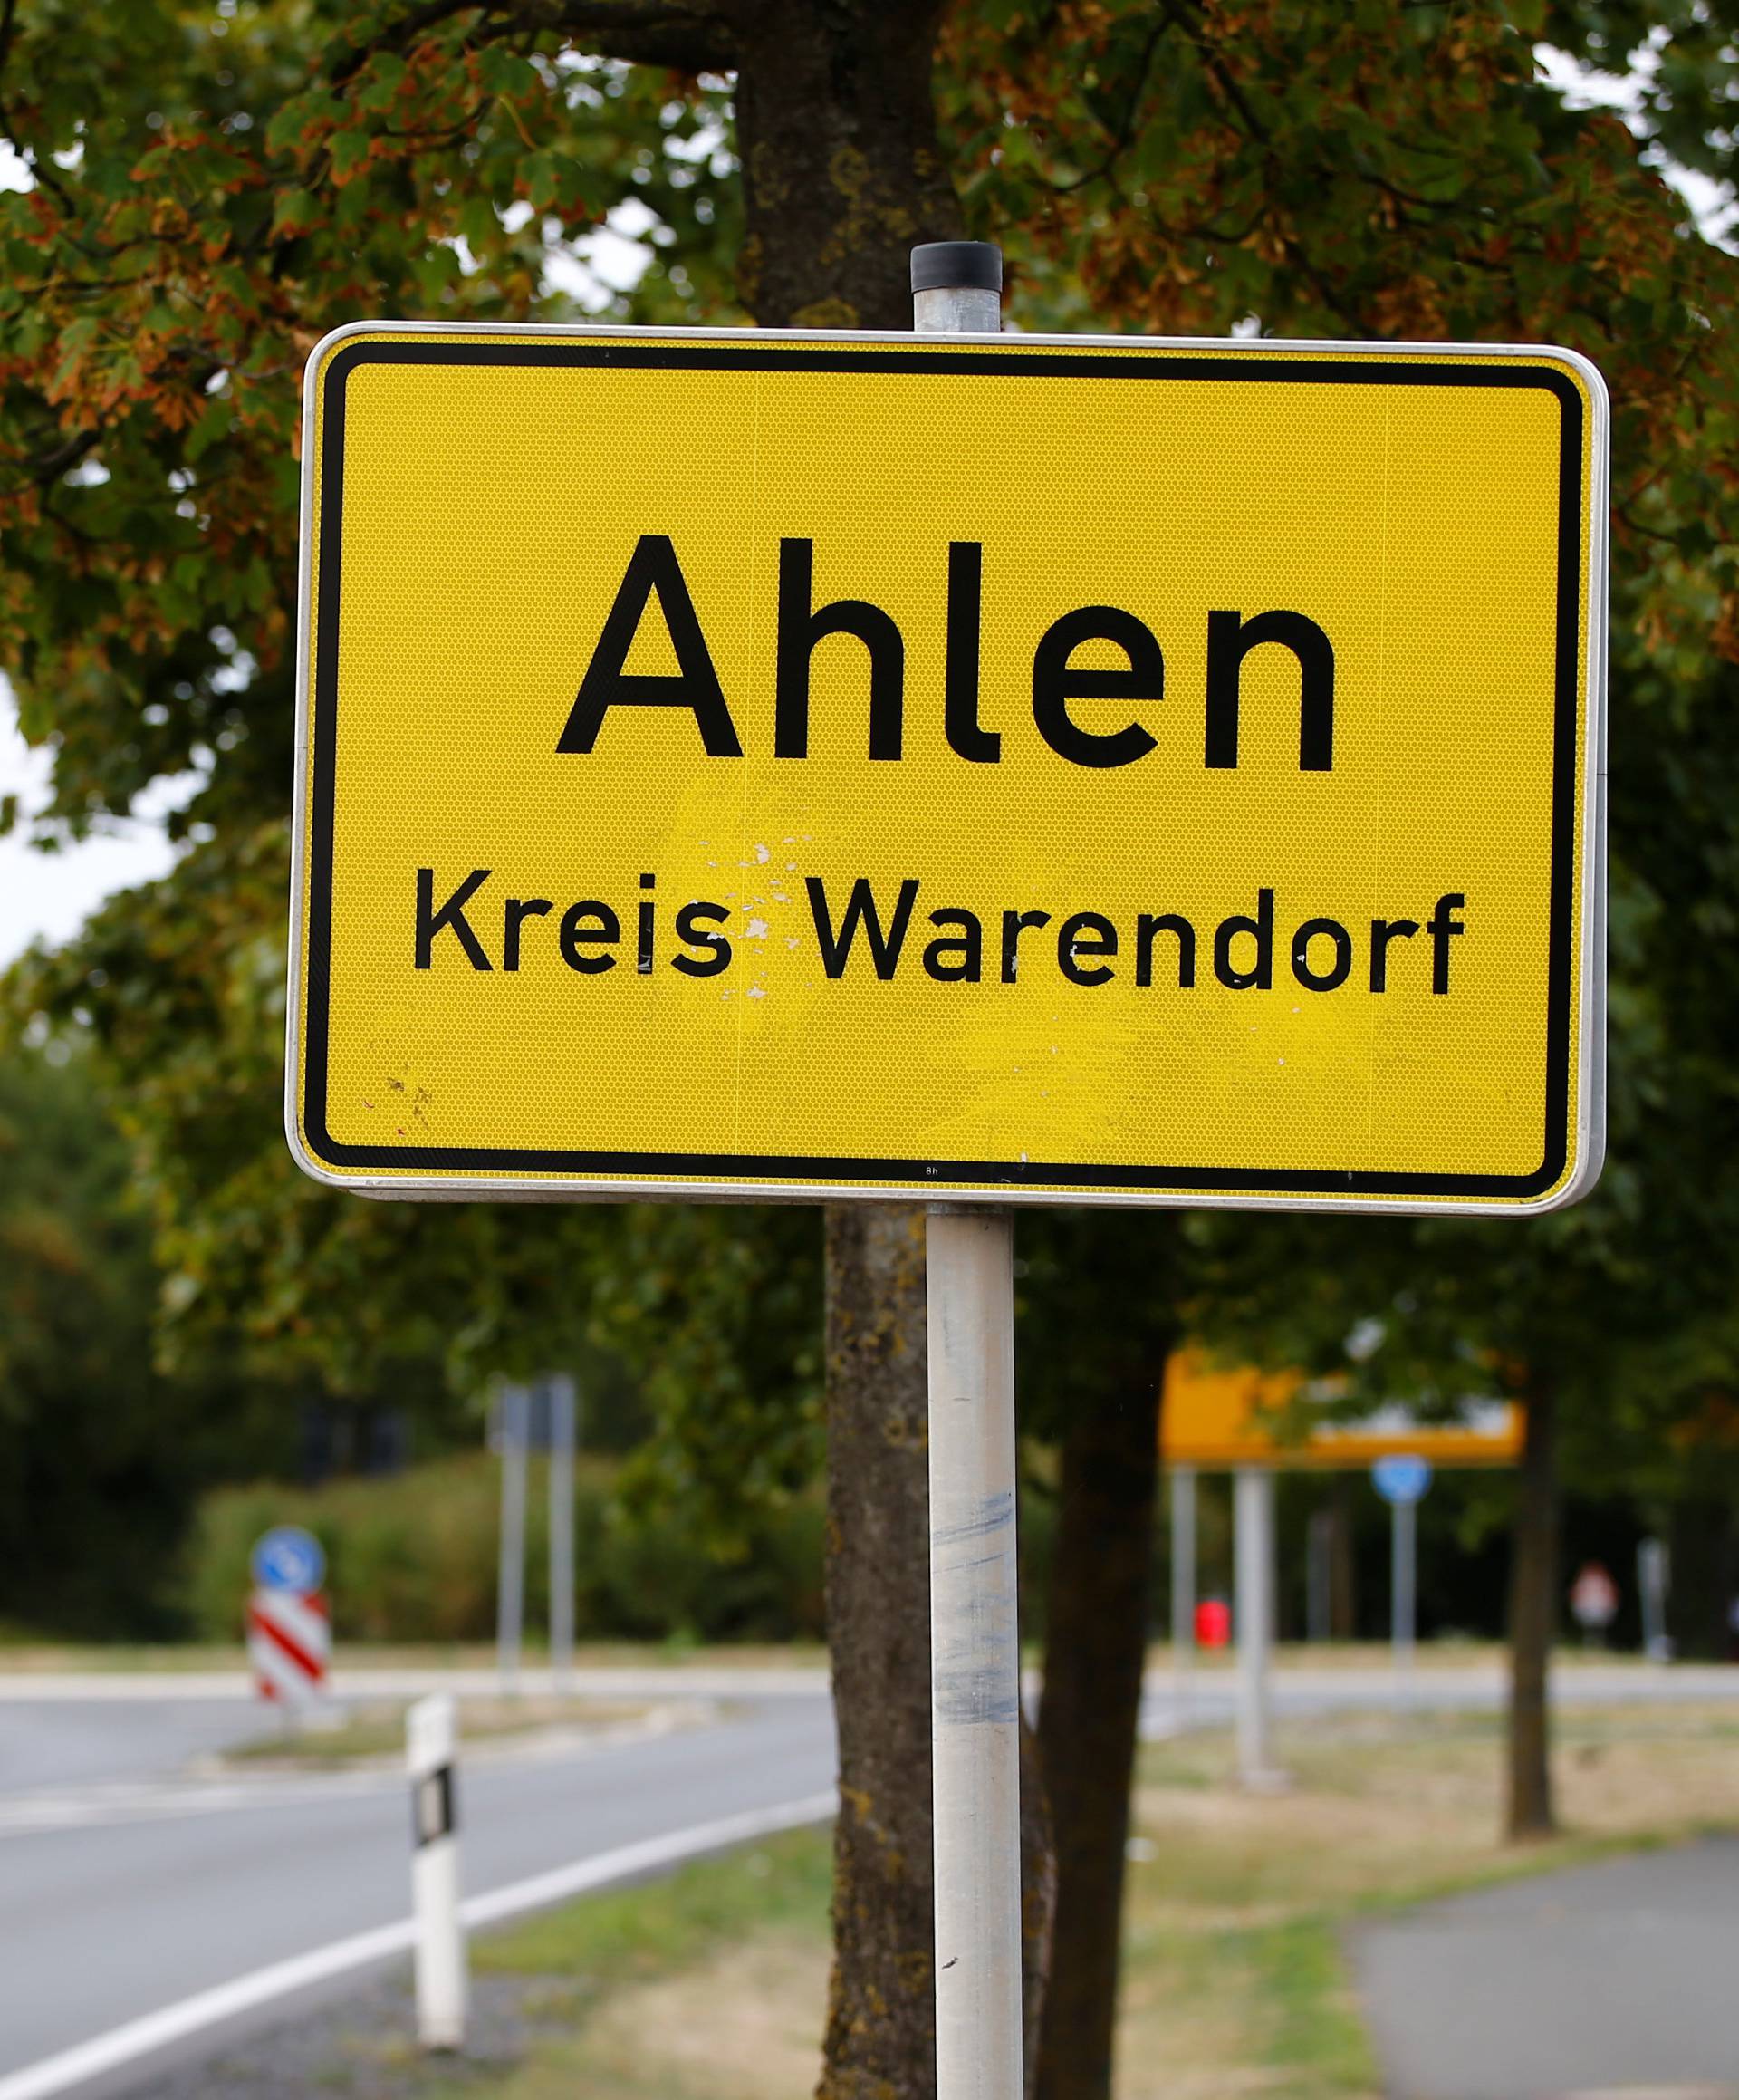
[152,2031]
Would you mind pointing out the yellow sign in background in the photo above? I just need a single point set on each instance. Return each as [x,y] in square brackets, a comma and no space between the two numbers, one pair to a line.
[1224,1417]
[477,505]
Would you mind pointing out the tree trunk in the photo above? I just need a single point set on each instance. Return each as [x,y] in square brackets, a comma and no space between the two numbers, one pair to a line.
[881,2014]
[880,2038]
[841,172]
[841,178]
[1095,1648]
[1037,1899]
[1533,1609]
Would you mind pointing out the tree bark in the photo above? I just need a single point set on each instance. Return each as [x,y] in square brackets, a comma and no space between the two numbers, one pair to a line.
[842,174]
[881,2036]
[841,178]
[1037,1899]
[1095,1649]
[1533,1602]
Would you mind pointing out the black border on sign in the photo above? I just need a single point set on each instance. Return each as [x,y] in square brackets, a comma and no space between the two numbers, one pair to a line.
[1242,368]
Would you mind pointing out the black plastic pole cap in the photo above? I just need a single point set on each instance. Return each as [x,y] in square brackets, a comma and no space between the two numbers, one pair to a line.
[957,266]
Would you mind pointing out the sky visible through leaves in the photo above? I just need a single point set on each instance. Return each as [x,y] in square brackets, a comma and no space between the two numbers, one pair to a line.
[47,897]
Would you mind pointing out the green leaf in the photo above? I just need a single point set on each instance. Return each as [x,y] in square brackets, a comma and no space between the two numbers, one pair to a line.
[214,423]
[540,179]
[349,149]
[386,75]
[504,72]
[293,212]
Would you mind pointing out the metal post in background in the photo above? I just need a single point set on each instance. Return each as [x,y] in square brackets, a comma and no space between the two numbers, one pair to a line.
[1402,1479]
[431,1750]
[1319,1577]
[1404,1562]
[1254,1604]
[975,1643]
[1183,1580]
[1653,1580]
[512,1431]
[564,1431]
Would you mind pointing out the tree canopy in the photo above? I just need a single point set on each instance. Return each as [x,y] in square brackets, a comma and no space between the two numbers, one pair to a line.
[213,188]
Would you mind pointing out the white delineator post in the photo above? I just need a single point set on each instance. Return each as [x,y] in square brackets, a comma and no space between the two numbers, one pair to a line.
[1183,1581]
[974,1625]
[564,1417]
[431,1749]
[1254,1607]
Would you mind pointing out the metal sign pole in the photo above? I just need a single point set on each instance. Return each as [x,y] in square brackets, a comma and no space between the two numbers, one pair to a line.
[564,1417]
[514,1433]
[975,1643]
[975,1655]
[1401,1478]
[1319,1577]
[1652,1580]
[1254,1548]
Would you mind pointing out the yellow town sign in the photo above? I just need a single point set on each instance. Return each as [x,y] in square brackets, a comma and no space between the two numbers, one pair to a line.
[1013,769]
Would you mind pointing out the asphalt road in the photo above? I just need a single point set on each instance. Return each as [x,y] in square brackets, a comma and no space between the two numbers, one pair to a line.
[62,1744]
[129,1882]
[128,1889]
[1614,1979]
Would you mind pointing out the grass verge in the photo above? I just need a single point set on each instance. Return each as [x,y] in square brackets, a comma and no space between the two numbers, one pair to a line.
[711,1985]
[706,1986]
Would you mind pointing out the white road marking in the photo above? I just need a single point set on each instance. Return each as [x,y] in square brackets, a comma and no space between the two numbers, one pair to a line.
[209,1788]
[109,1802]
[157,2030]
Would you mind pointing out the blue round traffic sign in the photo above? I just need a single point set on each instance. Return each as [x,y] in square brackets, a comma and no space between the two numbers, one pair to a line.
[1401,1476]
[289,1558]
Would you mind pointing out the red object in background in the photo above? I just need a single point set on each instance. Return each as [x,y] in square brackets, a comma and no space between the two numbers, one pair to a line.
[1594,1598]
[1213,1622]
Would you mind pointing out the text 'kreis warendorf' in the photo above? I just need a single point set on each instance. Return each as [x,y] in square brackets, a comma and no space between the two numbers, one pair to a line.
[867,928]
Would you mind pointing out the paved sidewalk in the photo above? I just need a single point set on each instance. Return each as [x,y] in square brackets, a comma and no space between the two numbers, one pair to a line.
[1620,1979]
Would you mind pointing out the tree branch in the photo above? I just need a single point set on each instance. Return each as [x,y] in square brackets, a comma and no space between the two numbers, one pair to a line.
[687,35]
[1126,129]
[1220,74]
